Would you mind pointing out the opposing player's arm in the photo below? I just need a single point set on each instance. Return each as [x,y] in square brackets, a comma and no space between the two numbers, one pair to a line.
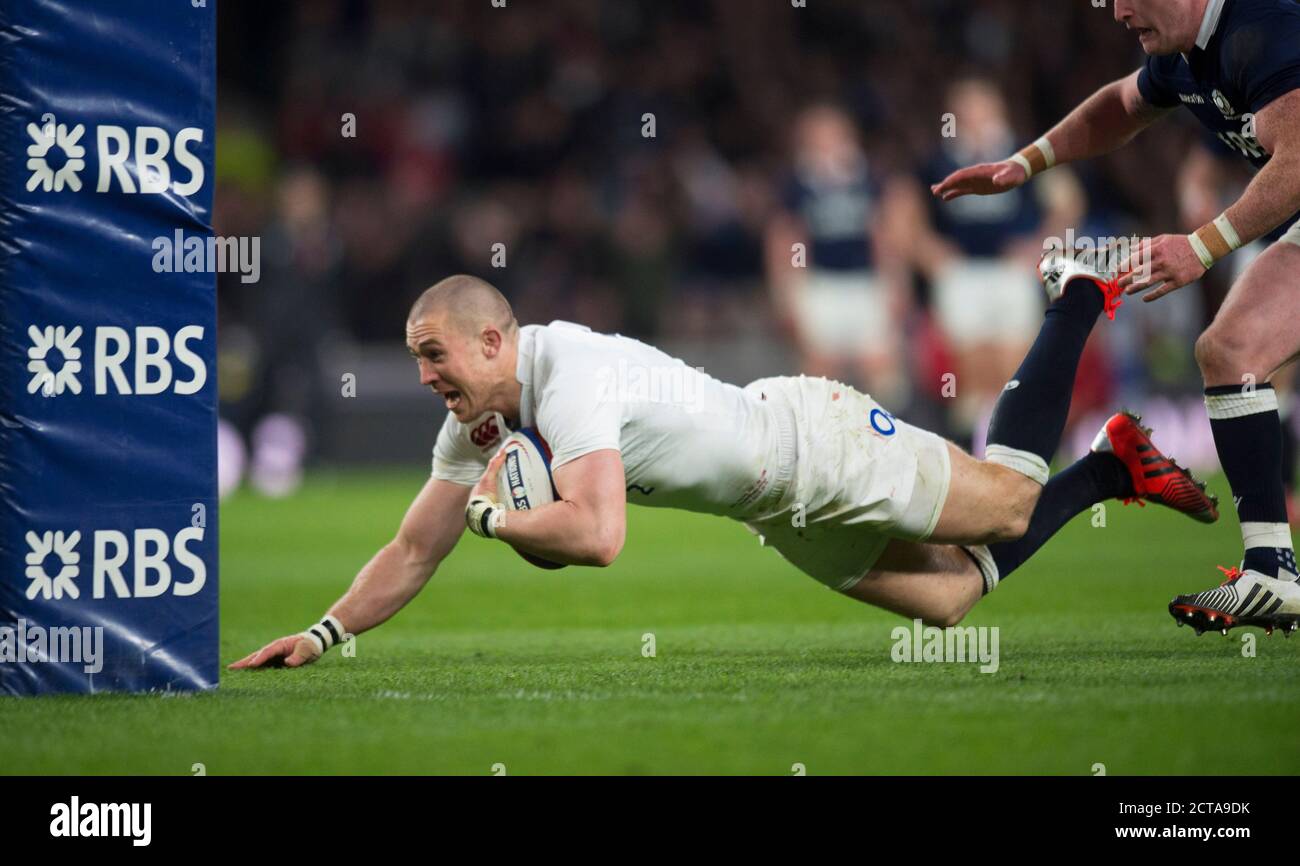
[392,577]
[1273,195]
[1169,262]
[1104,122]
[586,526]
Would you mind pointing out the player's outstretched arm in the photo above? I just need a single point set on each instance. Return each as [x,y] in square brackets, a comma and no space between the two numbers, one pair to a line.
[1169,262]
[585,526]
[391,578]
[1273,195]
[1105,121]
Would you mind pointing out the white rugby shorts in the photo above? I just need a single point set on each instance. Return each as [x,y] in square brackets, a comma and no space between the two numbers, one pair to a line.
[987,301]
[861,477]
[844,313]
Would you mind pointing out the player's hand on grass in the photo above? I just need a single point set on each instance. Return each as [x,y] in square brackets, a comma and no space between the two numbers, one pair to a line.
[292,651]
[989,178]
[1163,264]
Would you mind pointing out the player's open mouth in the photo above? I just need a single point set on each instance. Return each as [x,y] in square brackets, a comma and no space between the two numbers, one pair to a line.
[452,399]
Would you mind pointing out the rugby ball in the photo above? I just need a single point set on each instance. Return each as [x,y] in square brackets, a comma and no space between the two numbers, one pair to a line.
[525,480]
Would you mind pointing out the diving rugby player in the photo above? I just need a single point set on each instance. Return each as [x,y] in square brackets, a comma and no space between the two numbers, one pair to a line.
[865,503]
[1235,64]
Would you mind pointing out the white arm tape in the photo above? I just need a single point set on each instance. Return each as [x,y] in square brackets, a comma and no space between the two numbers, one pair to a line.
[1201,250]
[1049,153]
[325,633]
[1229,233]
[484,516]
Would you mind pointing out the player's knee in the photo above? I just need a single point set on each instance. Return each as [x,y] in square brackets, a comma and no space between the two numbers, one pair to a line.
[1019,496]
[1206,351]
[1016,527]
[1012,526]
[1221,352]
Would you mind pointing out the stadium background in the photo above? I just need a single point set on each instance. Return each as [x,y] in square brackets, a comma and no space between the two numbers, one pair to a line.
[477,124]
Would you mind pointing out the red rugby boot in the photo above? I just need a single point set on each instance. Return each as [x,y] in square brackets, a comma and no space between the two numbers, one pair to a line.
[1156,478]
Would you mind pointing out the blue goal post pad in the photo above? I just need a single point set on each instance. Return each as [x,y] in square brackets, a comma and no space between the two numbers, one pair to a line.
[108,392]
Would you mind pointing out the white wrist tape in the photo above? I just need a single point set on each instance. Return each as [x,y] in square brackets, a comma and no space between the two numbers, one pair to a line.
[1214,240]
[484,516]
[1037,158]
[1049,152]
[325,633]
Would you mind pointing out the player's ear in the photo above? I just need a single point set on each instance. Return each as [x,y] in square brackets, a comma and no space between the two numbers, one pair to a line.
[491,341]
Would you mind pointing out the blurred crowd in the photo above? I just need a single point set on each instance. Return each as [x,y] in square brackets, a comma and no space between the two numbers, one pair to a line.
[686,168]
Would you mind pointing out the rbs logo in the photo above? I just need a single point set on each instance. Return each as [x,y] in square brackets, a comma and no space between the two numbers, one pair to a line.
[141,362]
[132,161]
[55,569]
[152,144]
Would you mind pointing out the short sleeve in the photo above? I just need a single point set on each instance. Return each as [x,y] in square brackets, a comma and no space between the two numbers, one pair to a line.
[580,413]
[455,458]
[1153,87]
[1265,58]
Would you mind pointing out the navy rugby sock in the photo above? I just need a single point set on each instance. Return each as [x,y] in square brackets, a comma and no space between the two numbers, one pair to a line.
[1289,446]
[1030,414]
[1248,436]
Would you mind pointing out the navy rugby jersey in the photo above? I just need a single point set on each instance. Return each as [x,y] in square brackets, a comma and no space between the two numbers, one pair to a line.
[1247,54]
[981,226]
[836,217]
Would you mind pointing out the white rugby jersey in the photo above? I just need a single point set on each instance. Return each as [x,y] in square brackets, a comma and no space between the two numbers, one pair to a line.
[687,440]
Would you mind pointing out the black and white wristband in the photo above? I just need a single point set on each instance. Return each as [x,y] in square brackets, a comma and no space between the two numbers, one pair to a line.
[484,516]
[325,633]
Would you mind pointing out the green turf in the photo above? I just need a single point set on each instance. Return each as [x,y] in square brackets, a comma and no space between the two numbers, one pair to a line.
[757,668]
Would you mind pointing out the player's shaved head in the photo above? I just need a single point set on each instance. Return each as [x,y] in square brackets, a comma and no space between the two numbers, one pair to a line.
[465,303]
[465,339]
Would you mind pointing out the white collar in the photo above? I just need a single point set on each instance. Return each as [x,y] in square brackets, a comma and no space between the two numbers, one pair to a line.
[524,373]
[1213,10]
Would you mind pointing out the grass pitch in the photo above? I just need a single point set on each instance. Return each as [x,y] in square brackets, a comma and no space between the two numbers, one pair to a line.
[757,668]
